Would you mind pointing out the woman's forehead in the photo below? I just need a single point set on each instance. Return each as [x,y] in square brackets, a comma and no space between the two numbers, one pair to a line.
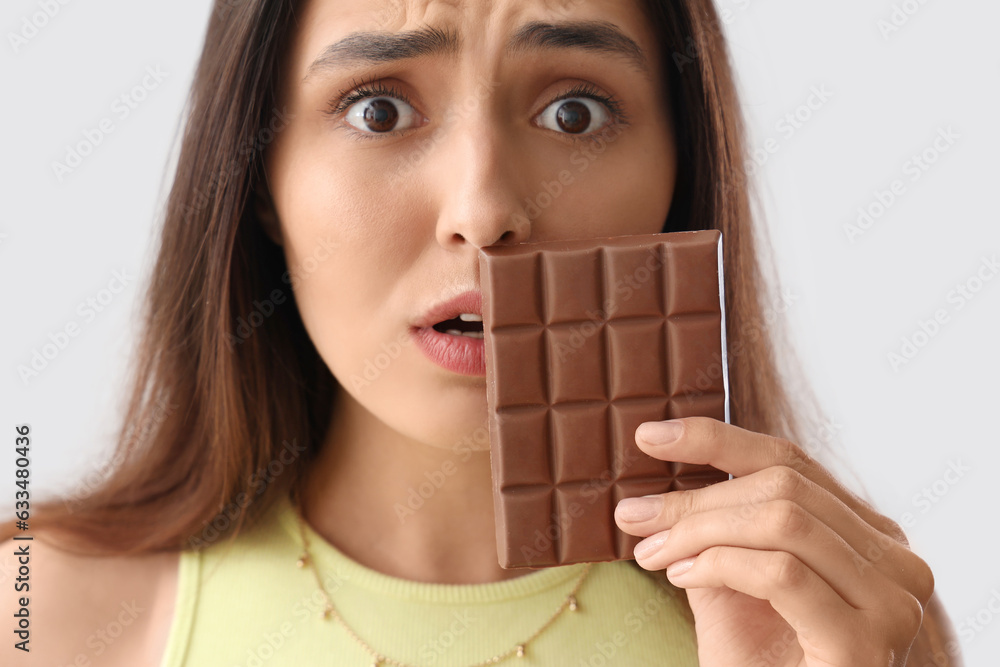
[342,33]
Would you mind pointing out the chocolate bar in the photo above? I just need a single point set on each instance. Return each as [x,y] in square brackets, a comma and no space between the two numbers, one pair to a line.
[585,340]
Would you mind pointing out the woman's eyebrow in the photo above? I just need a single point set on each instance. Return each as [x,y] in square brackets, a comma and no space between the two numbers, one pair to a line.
[371,48]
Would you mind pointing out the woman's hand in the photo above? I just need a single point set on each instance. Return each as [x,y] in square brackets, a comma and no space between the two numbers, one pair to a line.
[783,564]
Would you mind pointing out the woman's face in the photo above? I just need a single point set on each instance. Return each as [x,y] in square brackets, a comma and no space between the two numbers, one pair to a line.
[485,124]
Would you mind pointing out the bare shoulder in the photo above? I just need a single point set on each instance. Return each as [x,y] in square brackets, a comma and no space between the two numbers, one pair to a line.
[83,610]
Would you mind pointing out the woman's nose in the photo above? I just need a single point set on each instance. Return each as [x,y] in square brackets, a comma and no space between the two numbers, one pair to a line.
[478,186]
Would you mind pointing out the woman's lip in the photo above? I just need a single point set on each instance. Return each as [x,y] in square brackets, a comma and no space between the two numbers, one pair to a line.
[470,301]
[459,354]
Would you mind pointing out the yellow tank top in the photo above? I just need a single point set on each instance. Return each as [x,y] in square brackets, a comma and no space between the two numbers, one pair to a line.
[247,604]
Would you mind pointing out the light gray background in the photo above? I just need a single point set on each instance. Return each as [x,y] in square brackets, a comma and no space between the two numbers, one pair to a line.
[902,429]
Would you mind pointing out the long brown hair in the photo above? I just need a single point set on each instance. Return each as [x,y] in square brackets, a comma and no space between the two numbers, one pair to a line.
[227,409]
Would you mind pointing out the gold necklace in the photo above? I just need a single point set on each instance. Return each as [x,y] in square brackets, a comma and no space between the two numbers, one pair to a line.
[329,611]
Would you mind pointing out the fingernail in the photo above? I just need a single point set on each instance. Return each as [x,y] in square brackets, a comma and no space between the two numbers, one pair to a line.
[679,568]
[650,544]
[659,433]
[639,509]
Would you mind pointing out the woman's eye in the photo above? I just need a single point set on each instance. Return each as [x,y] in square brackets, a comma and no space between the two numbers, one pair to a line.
[376,115]
[575,115]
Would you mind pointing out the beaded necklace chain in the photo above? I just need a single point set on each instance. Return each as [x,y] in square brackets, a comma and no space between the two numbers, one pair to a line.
[329,611]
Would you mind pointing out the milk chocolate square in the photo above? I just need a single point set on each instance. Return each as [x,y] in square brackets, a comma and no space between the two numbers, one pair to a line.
[585,340]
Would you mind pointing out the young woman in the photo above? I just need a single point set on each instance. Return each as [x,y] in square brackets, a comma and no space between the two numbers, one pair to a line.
[342,164]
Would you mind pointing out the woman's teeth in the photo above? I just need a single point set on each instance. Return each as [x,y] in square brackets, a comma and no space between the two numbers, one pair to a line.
[464,324]
[470,334]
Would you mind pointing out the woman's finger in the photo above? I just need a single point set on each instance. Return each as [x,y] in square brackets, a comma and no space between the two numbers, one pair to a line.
[779,526]
[826,625]
[746,496]
[706,441]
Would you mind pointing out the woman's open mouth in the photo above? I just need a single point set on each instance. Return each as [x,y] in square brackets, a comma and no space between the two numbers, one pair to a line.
[455,339]
[466,324]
